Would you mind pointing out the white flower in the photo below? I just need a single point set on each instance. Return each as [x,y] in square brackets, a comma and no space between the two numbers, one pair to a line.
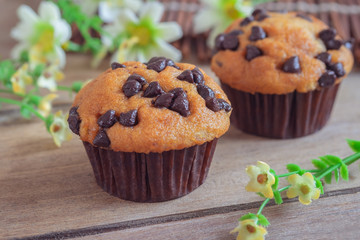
[217,15]
[59,128]
[49,78]
[144,37]
[88,7]
[109,10]
[41,35]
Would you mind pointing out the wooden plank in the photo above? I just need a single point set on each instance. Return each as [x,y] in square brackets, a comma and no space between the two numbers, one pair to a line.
[44,189]
[327,218]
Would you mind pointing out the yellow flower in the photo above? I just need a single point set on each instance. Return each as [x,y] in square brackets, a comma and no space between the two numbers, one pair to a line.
[50,77]
[20,79]
[304,187]
[249,230]
[59,129]
[45,104]
[260,179]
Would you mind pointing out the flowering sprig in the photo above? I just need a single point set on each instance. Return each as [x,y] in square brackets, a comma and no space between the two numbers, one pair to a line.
[217,15]
[305,184]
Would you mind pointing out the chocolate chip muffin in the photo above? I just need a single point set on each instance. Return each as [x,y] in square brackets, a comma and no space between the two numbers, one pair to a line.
[150,130]
[281,72]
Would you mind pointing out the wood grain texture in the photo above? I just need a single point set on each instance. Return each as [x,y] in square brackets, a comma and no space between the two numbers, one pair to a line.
[45,189]
[328,218]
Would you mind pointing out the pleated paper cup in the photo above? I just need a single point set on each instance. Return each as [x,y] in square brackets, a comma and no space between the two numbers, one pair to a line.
[152,177]
[281,116]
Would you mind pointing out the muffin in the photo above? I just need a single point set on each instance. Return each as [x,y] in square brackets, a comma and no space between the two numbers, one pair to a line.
[150,130]
[281,72]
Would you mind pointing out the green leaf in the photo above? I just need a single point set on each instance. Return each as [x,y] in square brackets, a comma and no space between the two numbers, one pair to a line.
[318,164]
[293,167]
[278,198]
[327,178]
[336,175]
[7,69]
[24,56]
[333,159]
[276,184]
[25,112]
[248,216]
[354,145]
[325,160]
[262,220]
[319,185]
[344,172]
[38,70]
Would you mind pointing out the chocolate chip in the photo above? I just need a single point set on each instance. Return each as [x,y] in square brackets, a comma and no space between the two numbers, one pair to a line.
[252,52]
[220,64]
[327,34]
[236,32]
[213,104]
[128,119]
[116,65]
[198,76]
[160,63]
[333,44]
[338,69]
[138,78]
[107,120]
[157,64]
[154,89]
[246,21]
[171,63]
[101,139]
[74,120]
[349,43]
[260,14]
[292,65]
[258,11]
[131,88]
[231,42]
[187,76]
[304,16]
[177,92]
[327,79]
[164,100]
[205,92]
[181,105]
[224,104]
[219,42]
[324,57]
[257,33]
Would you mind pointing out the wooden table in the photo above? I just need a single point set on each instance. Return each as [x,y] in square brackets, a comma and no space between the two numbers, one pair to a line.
[48,192]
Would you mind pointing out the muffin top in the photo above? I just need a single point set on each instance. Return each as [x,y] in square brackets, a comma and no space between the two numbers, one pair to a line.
[152,107]
[276,53]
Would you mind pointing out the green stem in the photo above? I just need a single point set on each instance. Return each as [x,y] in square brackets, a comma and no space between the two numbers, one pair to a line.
[296,172]
[65,88]
[268,199]
[348,160]
[21,104]
[6,91]
[263,205]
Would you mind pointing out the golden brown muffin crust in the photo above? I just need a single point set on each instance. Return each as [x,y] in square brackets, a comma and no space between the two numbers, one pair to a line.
[287,36]
[158,129]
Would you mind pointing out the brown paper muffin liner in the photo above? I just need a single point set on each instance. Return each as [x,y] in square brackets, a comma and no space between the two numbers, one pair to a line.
[281,116]
[152,177]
